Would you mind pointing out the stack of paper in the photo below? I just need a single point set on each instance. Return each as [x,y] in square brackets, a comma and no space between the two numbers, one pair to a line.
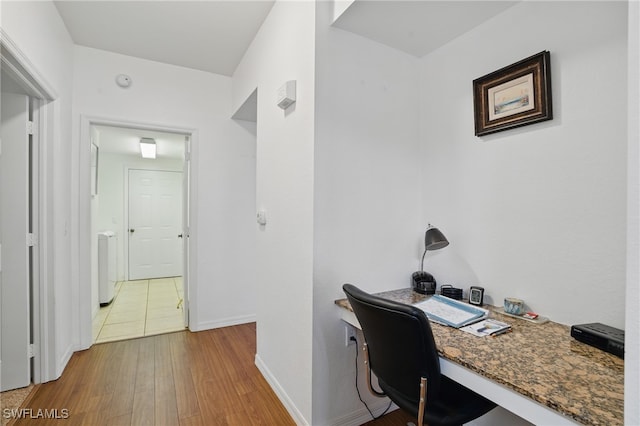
[488,327]
[451,312]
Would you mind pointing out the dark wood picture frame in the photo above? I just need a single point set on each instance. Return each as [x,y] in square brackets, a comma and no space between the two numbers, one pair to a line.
[513,96]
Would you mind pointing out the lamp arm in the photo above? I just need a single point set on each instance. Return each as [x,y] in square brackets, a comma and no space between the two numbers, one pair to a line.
[422,261]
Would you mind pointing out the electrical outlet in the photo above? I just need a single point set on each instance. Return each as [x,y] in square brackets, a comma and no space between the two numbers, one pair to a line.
[349,332]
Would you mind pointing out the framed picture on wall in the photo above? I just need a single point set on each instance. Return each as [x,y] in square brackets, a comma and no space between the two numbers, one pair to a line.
[513,96]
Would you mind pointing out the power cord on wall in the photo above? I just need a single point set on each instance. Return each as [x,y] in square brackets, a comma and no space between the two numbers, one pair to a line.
[353,339]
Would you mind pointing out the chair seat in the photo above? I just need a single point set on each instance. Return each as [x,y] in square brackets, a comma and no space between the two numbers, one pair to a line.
[455,406]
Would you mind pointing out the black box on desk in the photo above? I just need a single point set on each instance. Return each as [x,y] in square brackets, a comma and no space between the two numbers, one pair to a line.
[601,336]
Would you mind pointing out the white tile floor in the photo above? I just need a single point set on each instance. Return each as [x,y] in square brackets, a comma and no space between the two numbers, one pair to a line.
[141,308]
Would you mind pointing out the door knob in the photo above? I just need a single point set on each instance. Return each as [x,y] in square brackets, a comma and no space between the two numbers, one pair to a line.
[179,235]
[131,231]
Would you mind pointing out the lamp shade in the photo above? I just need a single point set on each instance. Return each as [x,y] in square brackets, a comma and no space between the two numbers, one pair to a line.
[434,239]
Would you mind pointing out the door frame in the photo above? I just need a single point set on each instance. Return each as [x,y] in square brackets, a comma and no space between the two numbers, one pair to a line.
[17,65]
[84,219]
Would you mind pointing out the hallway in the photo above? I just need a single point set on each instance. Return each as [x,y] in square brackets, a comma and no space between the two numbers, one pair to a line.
[141,308]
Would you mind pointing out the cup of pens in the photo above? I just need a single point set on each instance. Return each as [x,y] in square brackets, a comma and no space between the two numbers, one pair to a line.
[513,306]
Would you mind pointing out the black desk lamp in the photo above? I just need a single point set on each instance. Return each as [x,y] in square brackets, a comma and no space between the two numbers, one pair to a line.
[423,282]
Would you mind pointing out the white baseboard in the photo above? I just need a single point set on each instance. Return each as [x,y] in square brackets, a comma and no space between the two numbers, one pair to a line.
[280,393]
[62,363]
[224,322]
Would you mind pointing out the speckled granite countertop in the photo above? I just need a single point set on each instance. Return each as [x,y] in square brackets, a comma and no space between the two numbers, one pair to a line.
[540,361]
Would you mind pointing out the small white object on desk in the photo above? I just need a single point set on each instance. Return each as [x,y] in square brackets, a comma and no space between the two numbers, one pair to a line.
[537,320]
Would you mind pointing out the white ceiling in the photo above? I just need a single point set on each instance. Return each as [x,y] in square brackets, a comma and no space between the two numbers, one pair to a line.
[121,140]
[417,27]
[205,35]
[213,35]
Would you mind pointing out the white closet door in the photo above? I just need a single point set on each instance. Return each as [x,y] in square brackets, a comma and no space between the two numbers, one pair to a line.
[155,224]
[14,227]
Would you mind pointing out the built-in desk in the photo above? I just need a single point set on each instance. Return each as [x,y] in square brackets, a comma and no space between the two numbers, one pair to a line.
[538,371]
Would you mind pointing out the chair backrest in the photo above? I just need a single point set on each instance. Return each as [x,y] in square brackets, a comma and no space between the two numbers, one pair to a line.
[400,344]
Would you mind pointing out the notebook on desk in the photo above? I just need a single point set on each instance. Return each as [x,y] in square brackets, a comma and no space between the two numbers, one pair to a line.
[450,312]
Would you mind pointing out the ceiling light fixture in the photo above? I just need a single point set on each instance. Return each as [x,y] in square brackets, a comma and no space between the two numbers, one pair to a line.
[148,148]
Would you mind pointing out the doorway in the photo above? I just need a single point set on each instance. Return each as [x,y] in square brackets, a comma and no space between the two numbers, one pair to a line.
[139,203]
[25,210]
[16,213]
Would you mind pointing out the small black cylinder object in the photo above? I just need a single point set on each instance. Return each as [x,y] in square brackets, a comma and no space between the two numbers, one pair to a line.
[423,282]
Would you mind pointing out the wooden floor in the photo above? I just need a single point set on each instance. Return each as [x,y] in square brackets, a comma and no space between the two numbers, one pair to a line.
[394,418]
[184,378]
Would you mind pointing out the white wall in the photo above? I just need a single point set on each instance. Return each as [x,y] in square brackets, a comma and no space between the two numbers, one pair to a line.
[632,326]
[499,199]
[538,212]
[283,50]
[38,32]
[223,170]
[368,222]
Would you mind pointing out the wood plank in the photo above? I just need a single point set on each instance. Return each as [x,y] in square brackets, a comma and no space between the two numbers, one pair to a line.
[193,421]
[144,390]
[92,389]
[166,409]
[182,379]
[124,386]
[121,420]
[143,408]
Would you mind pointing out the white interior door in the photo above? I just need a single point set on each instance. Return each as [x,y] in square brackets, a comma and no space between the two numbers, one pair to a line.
[15,369]
[155,224]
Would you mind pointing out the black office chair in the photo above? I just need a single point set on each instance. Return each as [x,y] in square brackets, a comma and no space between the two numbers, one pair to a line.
[401,352]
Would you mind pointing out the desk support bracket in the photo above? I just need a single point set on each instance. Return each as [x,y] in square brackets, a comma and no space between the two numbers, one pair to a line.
[423,399]
[366,364]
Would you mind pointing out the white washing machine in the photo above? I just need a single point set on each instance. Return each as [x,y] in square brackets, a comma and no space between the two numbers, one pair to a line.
[106,267]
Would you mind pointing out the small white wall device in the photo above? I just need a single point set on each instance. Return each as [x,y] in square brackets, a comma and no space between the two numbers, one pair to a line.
[123,80]
[286,95]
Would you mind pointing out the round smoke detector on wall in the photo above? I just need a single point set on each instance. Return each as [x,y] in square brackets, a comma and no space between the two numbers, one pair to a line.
[123,80]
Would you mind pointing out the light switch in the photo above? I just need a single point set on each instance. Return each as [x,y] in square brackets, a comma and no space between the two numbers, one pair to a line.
[261,217]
